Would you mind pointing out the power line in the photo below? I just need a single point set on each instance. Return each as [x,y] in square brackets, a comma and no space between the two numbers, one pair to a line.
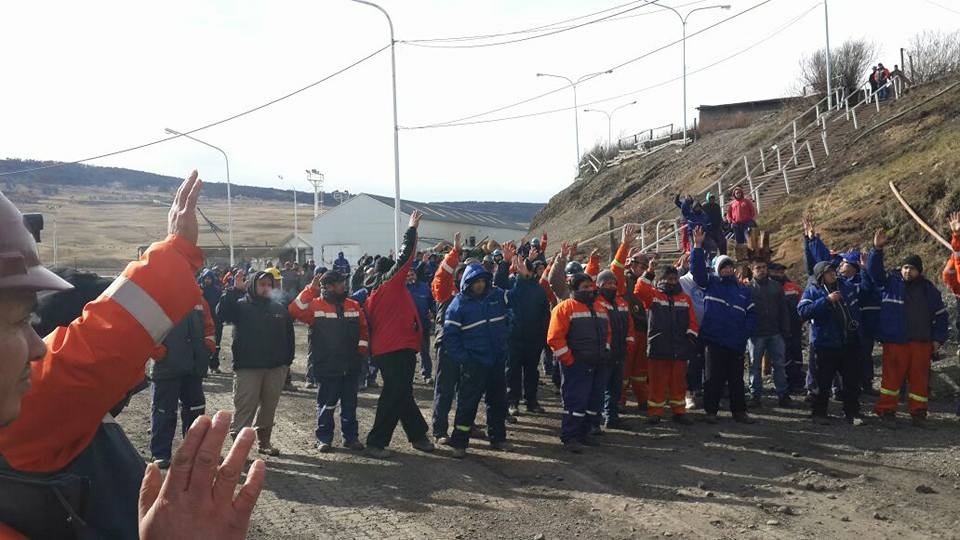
[544,31]
[207,126]
[633,92]
[524,31]
[461,121]
[941,6]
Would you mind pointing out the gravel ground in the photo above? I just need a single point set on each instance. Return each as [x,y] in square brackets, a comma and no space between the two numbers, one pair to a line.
[781,478]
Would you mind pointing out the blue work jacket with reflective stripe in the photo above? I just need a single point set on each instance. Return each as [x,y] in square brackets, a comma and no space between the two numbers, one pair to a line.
[476,329]
[825,329]
[893,324]
[728,314]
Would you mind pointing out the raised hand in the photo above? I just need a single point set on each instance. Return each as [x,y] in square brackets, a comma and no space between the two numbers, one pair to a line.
[565,249]
[534,253]
[628,233]
[197,500]
[456,242]
[954,221]
[509,251]
[415,218]
[520,264]
[595,253]
[182,218]
[240,281]
[879,239]
[316,282]
[573,250]
[698,236]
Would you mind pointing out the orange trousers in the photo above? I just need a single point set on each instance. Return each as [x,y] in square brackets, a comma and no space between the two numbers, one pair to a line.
[905,360]
[635,373]
[668,385]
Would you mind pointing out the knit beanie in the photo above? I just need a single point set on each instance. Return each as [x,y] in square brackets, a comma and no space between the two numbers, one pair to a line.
[914,261]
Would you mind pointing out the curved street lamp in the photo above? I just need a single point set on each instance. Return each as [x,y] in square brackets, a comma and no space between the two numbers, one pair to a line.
[576,115]
[609,116]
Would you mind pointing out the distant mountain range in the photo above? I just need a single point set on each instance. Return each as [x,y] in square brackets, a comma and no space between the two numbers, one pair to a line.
[94,176]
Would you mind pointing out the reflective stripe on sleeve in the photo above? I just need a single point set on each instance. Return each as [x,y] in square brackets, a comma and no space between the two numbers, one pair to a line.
[561,351]
[446,268]
[300,304]
[141,306]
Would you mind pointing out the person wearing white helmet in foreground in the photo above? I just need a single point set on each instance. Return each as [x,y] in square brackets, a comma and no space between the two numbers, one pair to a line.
[66,470]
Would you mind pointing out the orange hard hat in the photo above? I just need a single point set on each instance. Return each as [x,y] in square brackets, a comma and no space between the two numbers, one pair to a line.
[20,266]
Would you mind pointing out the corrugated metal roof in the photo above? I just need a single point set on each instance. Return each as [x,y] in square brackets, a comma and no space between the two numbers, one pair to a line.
[439,212]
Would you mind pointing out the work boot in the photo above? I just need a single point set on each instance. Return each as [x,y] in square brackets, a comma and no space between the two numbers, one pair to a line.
[443,440]
[310,385]
[513,410]
[711,418]
[596,431]
[511,419]
[535,408]
[821,420]
[353,445]
[681,419]
[920,421]
[423,445]
[618,424]
[755,402]
[501,446]
[743,418]
[324,448]
[654,419]
[889,420]
[589,440]
[263,440]
[691,401]
[574,447]
[476,432]
[162,464]
[785,401]
[459,453]
[377,452]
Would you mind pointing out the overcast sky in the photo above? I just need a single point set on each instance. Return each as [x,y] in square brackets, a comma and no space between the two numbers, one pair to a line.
[85,78]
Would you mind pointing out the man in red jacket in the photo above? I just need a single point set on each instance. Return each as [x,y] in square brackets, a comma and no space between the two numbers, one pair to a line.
[395,327]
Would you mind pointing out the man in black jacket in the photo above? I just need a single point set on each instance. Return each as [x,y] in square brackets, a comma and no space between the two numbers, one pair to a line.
[263,347]
[715,230]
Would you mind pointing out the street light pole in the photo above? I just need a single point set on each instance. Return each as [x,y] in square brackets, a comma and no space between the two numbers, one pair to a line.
[397,233]
[576,112]
[826,24]
[226,160]
[683,21]
[609,116]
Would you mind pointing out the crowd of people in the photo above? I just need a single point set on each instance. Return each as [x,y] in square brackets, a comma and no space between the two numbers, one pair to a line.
[673,336]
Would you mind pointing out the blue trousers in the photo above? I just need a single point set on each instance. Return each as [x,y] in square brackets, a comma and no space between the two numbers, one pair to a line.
[775,348]
[480,381]
[599,401]
[163,415]
[444,389]
[579,392]
[330,391]
[612,393]
[695,369]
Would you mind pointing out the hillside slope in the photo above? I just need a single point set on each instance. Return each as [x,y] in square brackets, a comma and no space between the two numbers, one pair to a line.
[848,193]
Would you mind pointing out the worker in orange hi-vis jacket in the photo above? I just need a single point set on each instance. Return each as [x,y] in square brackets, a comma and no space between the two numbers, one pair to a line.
[55,395]
[672,330]
[631,266]
[951,273]
[579,335]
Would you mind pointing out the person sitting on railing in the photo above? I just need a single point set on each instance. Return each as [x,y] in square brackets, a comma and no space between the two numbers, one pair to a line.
[695,217]
[741,213]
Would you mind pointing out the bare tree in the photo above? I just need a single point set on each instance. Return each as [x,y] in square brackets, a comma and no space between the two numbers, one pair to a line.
[848,65]
[933,55]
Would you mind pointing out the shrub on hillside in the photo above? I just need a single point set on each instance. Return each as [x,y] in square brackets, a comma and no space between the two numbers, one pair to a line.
[848,65]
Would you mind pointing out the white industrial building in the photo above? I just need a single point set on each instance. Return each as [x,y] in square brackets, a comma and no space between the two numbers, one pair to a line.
[364,224]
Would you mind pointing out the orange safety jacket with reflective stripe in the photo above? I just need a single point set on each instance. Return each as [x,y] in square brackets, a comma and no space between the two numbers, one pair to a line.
[622,308]
[443,287]
[951,274]
[573,332]
[92,363]
[545,285]
[307,307]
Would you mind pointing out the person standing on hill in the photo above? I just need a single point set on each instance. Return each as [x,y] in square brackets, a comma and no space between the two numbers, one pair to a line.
[715,228]
[396,330]
[742,215]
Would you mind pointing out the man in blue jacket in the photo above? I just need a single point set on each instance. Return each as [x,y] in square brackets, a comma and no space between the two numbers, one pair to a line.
[832,306]
[426,308]
[728,320]
[913,326]
[475,334]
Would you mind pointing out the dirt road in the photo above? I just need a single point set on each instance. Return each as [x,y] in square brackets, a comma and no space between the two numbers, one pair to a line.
[781,478]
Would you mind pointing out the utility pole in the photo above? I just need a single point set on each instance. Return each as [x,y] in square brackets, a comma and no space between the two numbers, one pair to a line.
[315,177]
[826,25]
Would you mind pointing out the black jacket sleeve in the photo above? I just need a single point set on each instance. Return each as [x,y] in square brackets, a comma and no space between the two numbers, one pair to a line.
[501,278]
[291,341]
[227,308]
[406,251]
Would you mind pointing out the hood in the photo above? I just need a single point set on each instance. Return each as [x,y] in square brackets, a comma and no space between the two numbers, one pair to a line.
[252,286]
[719,261]
[207,273]
[820,269]
[473,273]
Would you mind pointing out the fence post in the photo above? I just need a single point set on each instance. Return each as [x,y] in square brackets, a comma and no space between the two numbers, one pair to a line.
[810,153]
[818,115]
[823,137]
[796,162]
[876,101]
[746,167]
[676,234]
[756,198]
[853,112]
[786,181]
[613,240]
[846,103]
[720,192]
[643,236]
[794,130]
[763,161]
